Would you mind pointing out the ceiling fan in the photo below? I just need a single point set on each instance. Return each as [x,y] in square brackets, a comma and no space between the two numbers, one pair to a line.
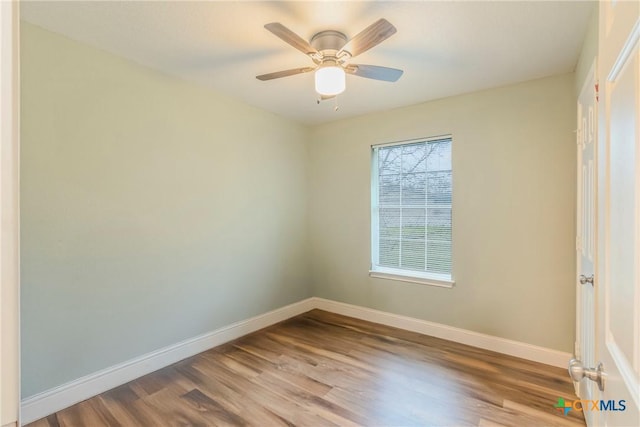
[331,52]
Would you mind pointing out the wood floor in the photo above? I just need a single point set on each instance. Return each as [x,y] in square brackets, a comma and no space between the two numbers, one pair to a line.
[323,369]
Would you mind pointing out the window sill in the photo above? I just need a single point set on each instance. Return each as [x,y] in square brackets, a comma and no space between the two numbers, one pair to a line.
[404,276]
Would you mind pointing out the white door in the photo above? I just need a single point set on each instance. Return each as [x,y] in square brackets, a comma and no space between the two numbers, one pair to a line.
[585,241]
[618,229]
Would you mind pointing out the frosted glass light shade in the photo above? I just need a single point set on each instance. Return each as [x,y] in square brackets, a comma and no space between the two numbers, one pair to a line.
[330,80]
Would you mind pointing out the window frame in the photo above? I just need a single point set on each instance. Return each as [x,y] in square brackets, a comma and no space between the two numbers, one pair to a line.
[399,274]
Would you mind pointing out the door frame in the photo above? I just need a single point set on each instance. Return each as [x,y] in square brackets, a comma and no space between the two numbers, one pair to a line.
[9,213]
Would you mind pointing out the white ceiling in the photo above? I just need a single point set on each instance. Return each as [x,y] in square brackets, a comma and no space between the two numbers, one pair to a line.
[444,48]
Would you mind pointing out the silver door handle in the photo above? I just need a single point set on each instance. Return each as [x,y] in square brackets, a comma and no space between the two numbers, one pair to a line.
[586,279]
[577,371]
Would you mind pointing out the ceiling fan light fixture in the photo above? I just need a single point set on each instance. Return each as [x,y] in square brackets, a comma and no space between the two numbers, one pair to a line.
[330,80]
[331,53]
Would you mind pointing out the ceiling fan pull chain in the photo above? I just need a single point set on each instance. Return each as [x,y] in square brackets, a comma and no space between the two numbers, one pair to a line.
[335,106]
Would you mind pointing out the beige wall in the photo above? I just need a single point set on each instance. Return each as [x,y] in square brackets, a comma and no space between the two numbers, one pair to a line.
[513,211]
[152,210]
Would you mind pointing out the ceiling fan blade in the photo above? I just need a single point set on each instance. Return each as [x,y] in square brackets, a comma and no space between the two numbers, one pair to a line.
[284,73]
[371,36]
[290,37]
[374,72]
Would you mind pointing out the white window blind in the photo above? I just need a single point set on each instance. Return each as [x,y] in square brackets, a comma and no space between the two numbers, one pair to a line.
[411,208]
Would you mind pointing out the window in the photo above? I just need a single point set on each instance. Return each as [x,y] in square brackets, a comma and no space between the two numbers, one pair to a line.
[411,211]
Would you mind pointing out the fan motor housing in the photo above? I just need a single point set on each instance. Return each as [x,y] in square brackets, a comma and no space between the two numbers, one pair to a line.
[328,40]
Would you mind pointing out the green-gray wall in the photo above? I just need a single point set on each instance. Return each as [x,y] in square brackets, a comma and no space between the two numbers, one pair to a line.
[513,211]
[152,210]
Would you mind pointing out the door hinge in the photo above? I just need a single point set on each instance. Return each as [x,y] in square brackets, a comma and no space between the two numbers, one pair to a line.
[597,88]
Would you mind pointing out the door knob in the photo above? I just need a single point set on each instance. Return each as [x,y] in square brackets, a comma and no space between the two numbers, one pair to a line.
[586,279]
[577,371]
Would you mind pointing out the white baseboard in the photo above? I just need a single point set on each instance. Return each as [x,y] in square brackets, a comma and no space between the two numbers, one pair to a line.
[55,399]
[463,336]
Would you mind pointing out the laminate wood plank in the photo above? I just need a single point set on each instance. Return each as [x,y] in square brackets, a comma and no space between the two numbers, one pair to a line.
[150,384]
[228,397]
[293,375]
[103,412]
[377,411]
[330,356]
[316,404]
[175,411]
[243,369]
[122,394]
[125,414]
[255,393]
[213,410]
[80,414]
[258,351]
[488,423]
[323,369]
[233,401]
